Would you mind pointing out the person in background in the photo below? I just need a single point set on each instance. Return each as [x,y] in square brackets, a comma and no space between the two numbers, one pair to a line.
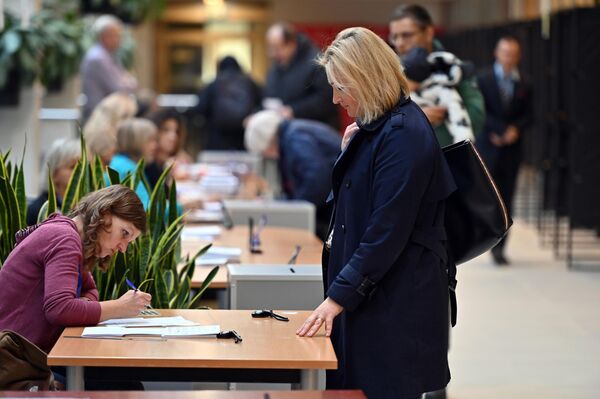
[432,79]
[171,138]
[136,139]
[411,26]
[509,112]
[101,72]
[60,160]
[46,282]
[295,86]
[226,102]
[384,261]
[305,150]
[100,131]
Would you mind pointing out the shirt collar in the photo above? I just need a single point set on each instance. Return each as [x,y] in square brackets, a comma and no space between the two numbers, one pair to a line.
[514,75]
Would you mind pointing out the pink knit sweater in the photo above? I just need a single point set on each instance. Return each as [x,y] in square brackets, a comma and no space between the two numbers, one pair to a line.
[38,284]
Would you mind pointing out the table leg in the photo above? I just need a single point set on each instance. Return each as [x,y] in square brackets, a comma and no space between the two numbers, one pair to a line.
[309,380]
[75,380]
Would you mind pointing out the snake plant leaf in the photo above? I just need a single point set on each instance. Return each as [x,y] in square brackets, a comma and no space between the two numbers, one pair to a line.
[211,275]
[160,294]
[144,283]
[98,173]
[183,294]
[51,196]
[12,206]
[20,192]
[113,176]
[72,188]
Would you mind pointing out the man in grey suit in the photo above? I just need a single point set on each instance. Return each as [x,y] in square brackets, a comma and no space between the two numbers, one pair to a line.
[101,71]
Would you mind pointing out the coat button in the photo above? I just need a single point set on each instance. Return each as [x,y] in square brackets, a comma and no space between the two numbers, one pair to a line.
[348,183]
[343,228]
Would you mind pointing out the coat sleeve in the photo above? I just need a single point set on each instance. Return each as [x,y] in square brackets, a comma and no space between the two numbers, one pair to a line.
[403,167]
[62,307]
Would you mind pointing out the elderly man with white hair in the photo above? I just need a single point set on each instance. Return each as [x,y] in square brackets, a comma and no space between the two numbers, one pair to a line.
[101,71]
[305,150]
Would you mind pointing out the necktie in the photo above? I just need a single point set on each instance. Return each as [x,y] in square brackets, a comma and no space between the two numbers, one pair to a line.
[504,88]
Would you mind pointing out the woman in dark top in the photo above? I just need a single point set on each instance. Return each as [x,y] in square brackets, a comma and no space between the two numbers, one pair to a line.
[384,262]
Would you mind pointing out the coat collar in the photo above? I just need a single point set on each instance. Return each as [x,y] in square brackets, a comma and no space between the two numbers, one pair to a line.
[377,123]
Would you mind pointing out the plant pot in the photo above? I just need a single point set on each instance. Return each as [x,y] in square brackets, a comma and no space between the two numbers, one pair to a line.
[10,93]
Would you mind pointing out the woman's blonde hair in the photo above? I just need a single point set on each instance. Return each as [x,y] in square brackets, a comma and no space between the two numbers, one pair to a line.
[132,134]
[361,63]
[116,200]
[100,131]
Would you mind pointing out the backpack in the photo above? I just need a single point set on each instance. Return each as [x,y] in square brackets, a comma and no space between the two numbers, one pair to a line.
[476,216]
[23,366]
[234,100]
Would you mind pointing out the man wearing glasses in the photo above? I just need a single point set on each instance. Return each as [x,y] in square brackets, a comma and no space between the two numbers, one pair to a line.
[411,26]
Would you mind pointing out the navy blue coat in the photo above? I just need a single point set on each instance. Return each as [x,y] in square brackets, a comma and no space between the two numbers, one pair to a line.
[307,150]
[389,191]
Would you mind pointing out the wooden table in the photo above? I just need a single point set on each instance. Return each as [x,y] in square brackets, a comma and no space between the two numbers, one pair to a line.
[190,395]
[270,352]
[277,244]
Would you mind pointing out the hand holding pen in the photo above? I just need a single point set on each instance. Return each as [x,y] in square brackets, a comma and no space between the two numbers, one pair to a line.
[134,301]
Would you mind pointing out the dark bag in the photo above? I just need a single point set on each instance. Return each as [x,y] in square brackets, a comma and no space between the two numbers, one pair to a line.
[476,216]
[23,366]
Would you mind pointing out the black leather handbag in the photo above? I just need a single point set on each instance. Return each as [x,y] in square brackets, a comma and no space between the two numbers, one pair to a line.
[476,216]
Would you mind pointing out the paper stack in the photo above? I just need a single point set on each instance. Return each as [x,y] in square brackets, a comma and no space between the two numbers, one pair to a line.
[216,256]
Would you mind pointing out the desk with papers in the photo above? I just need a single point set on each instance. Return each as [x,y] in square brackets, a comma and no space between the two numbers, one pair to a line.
[270,352]
[277,244]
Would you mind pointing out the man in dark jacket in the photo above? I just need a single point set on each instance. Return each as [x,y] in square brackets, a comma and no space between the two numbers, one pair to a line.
[411,26]
[295,85]
[306,151]
[508,110]
[225,103]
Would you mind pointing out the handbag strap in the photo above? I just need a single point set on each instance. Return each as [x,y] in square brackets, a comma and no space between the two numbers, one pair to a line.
[434,239]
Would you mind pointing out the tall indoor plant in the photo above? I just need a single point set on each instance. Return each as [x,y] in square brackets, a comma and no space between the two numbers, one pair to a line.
[153,259]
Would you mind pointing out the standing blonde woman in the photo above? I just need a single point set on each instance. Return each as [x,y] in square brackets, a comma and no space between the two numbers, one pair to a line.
[386,306]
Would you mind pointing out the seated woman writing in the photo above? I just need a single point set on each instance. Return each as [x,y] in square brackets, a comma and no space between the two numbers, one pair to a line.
[46,282]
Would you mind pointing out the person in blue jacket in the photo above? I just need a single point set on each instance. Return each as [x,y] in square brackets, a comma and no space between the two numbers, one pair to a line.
[384,262]
[305,150]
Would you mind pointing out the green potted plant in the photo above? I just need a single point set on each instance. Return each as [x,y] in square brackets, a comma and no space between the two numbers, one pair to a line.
[63,48]
[153,259]
[129,11]
[20,49]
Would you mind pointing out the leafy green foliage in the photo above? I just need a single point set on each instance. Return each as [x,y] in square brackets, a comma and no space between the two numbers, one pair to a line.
[13,205]
[153,260]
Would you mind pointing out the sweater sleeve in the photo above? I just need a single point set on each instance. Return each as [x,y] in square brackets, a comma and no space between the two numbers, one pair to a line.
[61,263]
[88,288]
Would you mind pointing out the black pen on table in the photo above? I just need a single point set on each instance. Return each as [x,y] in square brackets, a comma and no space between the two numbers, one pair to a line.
[292,260]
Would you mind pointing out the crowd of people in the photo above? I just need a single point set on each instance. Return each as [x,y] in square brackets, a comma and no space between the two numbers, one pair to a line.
[376,187]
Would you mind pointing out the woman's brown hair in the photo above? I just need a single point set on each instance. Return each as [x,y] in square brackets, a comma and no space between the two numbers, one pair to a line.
[117,200]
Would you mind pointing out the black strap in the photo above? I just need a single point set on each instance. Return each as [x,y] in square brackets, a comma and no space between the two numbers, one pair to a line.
[434,239]
[451,270]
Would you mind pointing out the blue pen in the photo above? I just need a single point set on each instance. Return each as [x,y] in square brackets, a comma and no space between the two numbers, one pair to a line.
[130,284]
